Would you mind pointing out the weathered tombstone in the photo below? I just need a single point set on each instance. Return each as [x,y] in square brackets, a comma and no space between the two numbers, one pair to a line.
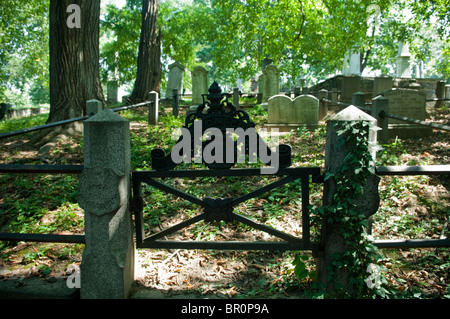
[359,99]
[112,92]
[175,78]
[286,114]
[381,104]
[440,93]
[236,95]
[411,104]
[199,84]
[306,111]
[254,85]
[280,110]
[403,64]
[271,82]
[352,62]
[259,97]
[381,83]
[350,85]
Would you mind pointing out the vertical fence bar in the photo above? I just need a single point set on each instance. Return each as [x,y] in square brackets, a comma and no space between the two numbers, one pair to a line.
[305,211]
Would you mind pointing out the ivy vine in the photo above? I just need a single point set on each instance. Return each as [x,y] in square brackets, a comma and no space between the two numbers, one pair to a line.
[361,260]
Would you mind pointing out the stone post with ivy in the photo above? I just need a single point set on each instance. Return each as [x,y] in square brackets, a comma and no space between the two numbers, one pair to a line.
[107,267]
[350,198]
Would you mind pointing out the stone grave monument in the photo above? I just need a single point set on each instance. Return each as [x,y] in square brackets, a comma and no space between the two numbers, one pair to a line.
[408,103]
[286,114]
[199,84]
[175,81]
[271,82]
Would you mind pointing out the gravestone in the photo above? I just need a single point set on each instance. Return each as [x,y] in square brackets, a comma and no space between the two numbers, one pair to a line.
[350,84]
[381,83]
[271,82]
[260,89]
[175,81]
[254,85]
[403,64]
[307,111]
[286,114]
[408,103]
[112,92]
[352,62]
[199,84]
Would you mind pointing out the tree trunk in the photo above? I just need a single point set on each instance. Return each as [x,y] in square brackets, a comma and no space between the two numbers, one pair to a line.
[148,77]
[74,59]
[74,64]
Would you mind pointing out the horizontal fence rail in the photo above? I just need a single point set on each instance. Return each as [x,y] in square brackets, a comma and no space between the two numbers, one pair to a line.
[423,123]
[73,120]
[41,127]
[43,238]
[289,242]
[41,169]
[411,171]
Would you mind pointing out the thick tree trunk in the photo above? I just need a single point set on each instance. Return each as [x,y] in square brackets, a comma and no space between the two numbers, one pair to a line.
[148,77]
[74,59]
[74,65]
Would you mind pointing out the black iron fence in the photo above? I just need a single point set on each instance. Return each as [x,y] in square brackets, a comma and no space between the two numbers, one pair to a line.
[41,169]
[48,169]
[76,169]
[68,121]
[440,170]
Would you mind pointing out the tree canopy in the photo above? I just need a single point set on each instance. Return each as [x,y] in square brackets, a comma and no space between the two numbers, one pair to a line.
[231,38]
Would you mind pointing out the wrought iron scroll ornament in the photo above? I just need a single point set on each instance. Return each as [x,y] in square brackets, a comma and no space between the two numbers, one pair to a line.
[221,115]
[216,113]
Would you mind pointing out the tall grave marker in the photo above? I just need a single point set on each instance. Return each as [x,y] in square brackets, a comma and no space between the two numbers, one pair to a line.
[199,84]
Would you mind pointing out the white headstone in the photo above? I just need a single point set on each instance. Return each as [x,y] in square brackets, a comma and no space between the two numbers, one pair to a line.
[403,65]
[271,82]
[199,84]
[352,62]
[175,81]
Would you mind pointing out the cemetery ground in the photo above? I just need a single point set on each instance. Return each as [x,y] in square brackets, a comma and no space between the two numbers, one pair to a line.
[411,207]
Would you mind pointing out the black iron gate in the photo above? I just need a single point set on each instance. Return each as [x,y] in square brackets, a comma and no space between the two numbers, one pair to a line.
[222,115]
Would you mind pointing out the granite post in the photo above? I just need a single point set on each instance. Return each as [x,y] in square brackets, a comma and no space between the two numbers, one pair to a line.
[359,99]
[323,106]
[153,108]
[332,240]
[107,267]
[93,107]
[381,104]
